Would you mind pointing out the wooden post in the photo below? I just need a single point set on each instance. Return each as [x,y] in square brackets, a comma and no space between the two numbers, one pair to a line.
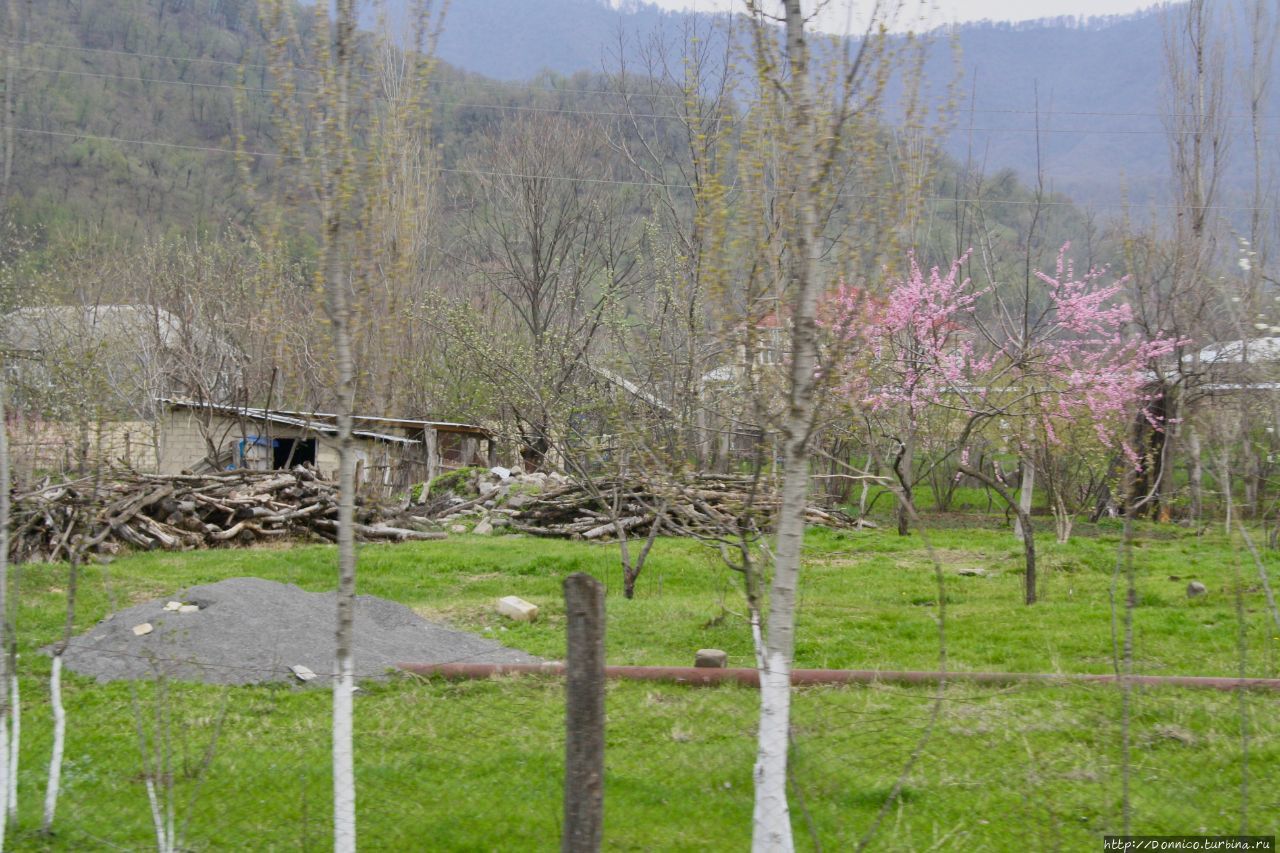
[584,716]
[433,459]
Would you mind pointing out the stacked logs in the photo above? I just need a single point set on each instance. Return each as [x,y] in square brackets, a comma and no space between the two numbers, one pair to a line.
[186,511]
[704,505]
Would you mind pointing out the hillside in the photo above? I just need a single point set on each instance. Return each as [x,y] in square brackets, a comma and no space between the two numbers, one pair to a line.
[128,111]
[1099,85]
[125,117]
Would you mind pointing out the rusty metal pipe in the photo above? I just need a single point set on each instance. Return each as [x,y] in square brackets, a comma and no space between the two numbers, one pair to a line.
[750,677]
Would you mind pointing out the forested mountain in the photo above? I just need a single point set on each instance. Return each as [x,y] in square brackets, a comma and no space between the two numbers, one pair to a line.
[150,142]
[1084,99]
[1098,85]
[125,115]
[145,117]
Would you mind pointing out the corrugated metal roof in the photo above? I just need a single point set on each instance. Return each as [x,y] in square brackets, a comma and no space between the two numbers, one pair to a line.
[409,423]
[1264,350]
[314,424]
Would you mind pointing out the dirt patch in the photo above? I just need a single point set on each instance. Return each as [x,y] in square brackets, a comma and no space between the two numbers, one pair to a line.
[250,631]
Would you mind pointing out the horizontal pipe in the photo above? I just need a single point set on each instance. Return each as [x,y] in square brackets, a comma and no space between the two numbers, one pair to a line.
[707,675]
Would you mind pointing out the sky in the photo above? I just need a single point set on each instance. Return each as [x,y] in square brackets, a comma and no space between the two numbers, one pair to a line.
[949,11]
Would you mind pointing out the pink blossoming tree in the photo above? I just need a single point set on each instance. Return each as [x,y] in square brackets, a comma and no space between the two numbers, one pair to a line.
[935,343]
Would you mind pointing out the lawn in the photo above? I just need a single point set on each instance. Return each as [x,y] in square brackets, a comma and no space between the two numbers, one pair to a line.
[476,765]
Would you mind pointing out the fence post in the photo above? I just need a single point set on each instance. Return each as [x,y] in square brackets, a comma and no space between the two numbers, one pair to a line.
[584,716]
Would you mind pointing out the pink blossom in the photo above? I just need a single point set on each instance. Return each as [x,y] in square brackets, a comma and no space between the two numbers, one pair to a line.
[1079,360]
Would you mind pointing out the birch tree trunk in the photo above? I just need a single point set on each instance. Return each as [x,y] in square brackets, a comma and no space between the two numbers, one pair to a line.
[59,742]
[336,282]
[1224,484]
[14,33]
[771,819]
[1195,475]
[6,778]
[54,786]
[15,735]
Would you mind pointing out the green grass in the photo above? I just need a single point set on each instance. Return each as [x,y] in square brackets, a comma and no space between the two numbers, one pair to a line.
[476,765]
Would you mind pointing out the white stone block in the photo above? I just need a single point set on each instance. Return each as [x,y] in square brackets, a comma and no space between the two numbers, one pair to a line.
[303,673]
[518,609]
[143,629]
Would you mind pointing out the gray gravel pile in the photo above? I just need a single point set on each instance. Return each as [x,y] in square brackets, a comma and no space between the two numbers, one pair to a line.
[250,630]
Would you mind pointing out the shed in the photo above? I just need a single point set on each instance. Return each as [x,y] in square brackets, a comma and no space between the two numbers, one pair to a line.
[391,452]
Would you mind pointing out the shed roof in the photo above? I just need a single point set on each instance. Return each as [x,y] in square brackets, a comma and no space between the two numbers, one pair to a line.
[326,423]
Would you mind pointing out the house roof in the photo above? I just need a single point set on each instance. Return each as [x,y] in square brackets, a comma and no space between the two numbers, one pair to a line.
[1243,351]
[38,329]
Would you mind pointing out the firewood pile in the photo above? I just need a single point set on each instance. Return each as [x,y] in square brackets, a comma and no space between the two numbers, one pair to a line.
[705,505]
[187,511]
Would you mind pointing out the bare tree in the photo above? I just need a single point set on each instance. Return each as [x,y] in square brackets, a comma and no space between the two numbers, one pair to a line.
[545,231]
[13,35]
[797,148]
[678,130]
[359,200]
[1171,298]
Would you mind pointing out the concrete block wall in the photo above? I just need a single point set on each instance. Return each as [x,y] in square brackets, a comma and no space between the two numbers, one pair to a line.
[182,443]
[37,447]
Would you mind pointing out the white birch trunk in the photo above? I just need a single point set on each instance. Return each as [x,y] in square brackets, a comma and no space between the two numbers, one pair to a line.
[1224,475]
[59,741]
[5,776]
[157,816]
[1195,474]
[771,817]
[339,309]
[15,740]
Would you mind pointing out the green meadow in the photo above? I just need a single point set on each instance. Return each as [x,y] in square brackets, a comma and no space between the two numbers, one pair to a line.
[477,765]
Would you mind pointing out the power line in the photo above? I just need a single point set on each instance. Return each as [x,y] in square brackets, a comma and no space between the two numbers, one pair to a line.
[152,142]
[624,182]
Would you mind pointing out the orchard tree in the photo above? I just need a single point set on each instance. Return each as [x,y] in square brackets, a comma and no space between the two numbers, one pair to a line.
[909,347]
[1077,361]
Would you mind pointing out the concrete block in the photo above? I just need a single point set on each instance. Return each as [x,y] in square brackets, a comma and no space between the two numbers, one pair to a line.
[143,629]
[517,609]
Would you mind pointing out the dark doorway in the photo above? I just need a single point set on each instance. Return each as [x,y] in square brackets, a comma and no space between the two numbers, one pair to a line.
[288,452]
